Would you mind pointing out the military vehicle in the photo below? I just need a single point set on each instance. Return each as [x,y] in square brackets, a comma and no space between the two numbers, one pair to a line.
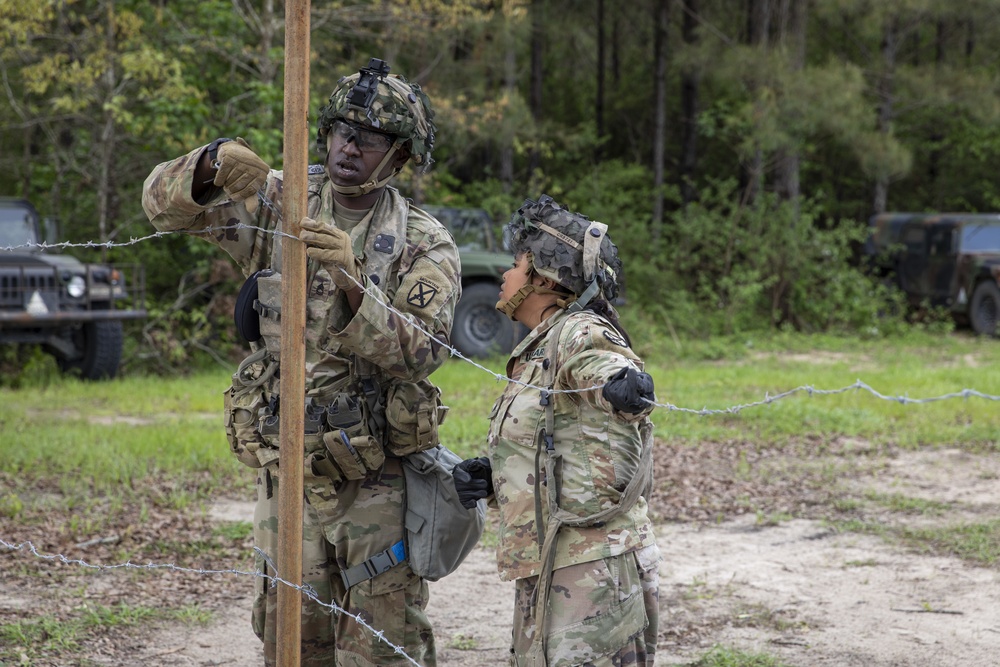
[73,310]
[949,260]
[479,329]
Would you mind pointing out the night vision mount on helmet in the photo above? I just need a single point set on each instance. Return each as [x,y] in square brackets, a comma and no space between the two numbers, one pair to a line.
[566,247]
[386,103]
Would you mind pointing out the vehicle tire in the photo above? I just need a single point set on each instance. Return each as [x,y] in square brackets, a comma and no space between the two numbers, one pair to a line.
[480,330]
[100,344]
[984,308]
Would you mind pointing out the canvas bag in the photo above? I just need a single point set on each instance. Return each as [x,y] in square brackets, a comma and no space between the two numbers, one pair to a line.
[440,533]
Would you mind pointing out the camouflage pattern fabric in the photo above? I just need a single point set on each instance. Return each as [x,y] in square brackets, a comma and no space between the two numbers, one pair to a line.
[418,274]
[604,613]
[399,108]
[555,238]
[392,602]
[600,450]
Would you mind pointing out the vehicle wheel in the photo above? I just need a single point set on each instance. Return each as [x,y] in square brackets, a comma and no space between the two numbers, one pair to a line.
[101,347]
[984,308]
[480,330]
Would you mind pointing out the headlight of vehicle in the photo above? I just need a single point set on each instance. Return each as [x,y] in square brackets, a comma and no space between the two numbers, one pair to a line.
[76,287]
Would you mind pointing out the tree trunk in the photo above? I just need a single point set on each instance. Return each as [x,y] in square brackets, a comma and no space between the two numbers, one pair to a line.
[758,28]
[599,101]
[662,23]
[510,85]
[792,27]
[890,47]
[937,137]
[537,75]
[107,140]
[690,85]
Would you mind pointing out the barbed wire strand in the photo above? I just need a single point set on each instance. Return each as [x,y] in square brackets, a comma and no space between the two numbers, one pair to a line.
[305,589]
[809,389]
[498,377]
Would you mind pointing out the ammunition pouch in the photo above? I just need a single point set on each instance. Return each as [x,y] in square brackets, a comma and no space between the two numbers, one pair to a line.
[413,414]
[337,443]
[350,447]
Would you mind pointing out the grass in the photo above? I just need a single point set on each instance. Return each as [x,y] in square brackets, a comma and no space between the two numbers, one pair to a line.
[976,543]
[49,637]
[721,656]
[111,434]
[139,444]
[921,366]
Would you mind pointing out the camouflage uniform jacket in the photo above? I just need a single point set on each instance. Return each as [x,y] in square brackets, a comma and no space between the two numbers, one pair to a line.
[600,448]
[415,255]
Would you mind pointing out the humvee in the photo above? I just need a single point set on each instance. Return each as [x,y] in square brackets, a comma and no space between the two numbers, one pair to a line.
[73,310]
[949,260]
[479,329]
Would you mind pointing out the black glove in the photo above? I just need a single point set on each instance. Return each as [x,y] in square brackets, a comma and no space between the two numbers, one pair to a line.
[626,390]
[473,481]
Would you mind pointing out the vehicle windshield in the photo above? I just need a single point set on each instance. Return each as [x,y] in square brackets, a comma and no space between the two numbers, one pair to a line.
[17,228]
[981,238]
[472,228]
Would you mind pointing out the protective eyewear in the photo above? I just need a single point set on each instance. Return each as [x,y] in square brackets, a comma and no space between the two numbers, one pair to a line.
[366,140]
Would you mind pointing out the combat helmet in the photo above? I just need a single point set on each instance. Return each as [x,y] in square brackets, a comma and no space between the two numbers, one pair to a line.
[566,247]
[385,102]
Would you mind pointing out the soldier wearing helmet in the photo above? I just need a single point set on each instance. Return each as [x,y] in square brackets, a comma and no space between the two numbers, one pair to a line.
[569,453]
[368,399]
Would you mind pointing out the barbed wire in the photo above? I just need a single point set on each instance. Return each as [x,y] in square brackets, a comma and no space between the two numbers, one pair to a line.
[809,389]
[500,377]
[273,580]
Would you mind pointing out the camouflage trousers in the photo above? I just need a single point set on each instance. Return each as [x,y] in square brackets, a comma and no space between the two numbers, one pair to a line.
[604,613]
[334,537]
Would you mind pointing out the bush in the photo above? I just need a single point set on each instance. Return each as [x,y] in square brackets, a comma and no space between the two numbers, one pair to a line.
[738,267]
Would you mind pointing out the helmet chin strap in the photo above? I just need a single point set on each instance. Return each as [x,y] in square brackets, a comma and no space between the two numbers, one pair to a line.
[508,306]
[373,183]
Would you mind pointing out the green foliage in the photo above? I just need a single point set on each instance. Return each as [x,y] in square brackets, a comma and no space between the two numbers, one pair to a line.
[96,94]
[737,267]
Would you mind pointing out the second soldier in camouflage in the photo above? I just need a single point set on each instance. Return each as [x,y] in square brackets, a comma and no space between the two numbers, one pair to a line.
[570,454]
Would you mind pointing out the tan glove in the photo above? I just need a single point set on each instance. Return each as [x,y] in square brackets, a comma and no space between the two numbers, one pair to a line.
[331,247]
[241,171]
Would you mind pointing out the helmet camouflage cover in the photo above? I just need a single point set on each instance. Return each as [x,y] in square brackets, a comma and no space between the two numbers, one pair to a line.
[394,107]
[556,239]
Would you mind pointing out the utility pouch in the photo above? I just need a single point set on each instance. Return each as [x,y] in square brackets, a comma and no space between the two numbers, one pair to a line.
[413,414]
[243,402]
[240,419]
[268,307]
[440,533]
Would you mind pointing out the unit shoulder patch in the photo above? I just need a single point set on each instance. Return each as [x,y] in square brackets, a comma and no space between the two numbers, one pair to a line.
[422,293]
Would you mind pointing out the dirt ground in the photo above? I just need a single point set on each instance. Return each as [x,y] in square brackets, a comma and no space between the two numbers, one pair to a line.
[756,557]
